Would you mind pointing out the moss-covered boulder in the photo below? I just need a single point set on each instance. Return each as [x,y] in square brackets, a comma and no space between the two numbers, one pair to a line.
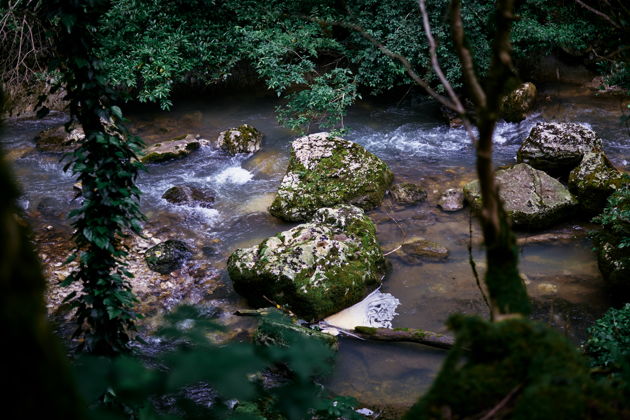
[176,148]
[189,195]
[408,193]
[58,140]
[593,180]
[531,198]
[325,171]
[515,369]
[517,104]
[167,256]
[316,268]
[242,139]
[557,148]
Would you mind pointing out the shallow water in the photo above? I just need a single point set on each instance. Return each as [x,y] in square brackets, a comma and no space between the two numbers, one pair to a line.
[563,279]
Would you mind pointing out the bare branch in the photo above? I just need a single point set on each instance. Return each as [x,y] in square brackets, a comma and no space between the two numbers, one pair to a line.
[598,13]
[401,59]
[465,57]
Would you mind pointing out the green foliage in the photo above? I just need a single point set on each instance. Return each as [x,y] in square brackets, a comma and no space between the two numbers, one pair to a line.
[124,387]
[608,345]
[107,166]
[615,219]
[517,369]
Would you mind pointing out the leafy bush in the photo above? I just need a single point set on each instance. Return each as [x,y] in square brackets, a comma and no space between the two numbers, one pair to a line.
[608,345]
[125,387]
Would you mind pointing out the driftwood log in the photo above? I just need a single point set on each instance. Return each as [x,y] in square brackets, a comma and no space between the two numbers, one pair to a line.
[410,335]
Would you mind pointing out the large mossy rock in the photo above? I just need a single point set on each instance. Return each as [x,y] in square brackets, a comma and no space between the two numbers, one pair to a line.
[593,180]
[557,148]
[517,104]
[242,139]
[58,140]
[176,148]
[325,171]
[515,369]
[316,268]
[167,256]
[531,198]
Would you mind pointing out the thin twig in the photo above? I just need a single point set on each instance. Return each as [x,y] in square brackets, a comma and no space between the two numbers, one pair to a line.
[598,13]
[492,413]
[473,265]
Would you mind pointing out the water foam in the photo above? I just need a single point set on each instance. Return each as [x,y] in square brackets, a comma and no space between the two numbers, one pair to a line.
[233,175]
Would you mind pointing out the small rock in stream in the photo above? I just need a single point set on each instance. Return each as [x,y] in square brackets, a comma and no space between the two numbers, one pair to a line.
[167,256]
[451,200]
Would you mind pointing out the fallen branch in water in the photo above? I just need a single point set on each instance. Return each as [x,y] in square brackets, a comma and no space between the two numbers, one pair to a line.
[411,335]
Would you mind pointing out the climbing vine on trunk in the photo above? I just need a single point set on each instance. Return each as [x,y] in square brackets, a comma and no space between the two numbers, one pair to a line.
[106,165]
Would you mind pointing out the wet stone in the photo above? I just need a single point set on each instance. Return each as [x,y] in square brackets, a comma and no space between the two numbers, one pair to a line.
[557,148]
[417,250]
[451,200]
[167,256]
[407,193]
[186,195]
[242,139]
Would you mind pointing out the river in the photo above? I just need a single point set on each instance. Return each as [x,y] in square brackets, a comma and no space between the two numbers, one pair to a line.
[561,276]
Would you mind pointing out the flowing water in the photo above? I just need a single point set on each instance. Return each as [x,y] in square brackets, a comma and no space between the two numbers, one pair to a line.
[562,277]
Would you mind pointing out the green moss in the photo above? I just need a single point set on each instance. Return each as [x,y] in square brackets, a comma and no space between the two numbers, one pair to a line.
[329,183]
[541,372]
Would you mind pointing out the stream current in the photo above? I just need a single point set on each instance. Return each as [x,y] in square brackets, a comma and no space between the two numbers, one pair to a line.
[562,276]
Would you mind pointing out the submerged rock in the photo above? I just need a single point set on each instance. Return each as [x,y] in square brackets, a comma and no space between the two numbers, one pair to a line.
[167,256]
[176,148]
[185,195]
[242,139]
[316,268]
[417,250]
[325,171]
[451,200]
[58,140]
[408,193]
[517,104]
[557,148]
[530,197]
[593,180]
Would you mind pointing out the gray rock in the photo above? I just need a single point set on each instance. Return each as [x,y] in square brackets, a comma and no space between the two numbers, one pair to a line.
[316,268]
[417,250]
[530,197]
[186,195]
[451,200]
[517,104]
[324,171]
[593,180]
[167,256]
[557,148]
[176,148]
[58,140]
[242,139]
[408,193]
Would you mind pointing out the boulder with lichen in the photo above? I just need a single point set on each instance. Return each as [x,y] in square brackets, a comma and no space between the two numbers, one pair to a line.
[324,171]
[316,268]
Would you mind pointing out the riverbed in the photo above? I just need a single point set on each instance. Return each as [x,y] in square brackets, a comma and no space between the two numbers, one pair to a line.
[411,136]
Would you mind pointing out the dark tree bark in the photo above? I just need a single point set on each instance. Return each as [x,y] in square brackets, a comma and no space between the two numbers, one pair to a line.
[36,373]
